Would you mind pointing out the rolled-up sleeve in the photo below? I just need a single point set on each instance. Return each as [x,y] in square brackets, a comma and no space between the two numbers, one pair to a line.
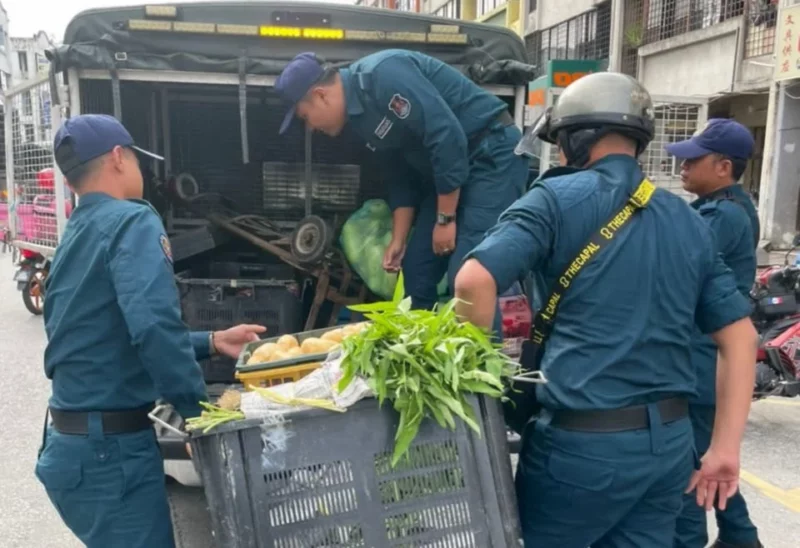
[720,303]
[521,240]
[201,343]
[143,277]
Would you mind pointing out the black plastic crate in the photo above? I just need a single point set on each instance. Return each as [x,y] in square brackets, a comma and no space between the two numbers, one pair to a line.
[219,295]
[324,479]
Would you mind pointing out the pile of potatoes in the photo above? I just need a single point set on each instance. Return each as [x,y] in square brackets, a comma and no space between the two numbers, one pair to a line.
[287,347]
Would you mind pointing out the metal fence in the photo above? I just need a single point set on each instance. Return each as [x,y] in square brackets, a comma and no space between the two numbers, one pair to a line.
[30,174]
[762,18]
[648,21]
[585,36]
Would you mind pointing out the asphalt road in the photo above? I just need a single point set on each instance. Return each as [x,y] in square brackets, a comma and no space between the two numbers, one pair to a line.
[771,474]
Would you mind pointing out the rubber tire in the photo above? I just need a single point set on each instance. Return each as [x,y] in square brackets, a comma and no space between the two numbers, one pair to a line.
[320,247]
[26,296]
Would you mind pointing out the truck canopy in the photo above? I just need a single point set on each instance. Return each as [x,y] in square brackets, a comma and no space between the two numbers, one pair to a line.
[220,36]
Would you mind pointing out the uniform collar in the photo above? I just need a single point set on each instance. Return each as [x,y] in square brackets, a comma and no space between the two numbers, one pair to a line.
[730,191]
[353,103]
[93,198]
[621,167]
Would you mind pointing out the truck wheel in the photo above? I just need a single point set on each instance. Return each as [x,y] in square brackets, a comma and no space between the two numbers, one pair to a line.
[33,294]
[311,239]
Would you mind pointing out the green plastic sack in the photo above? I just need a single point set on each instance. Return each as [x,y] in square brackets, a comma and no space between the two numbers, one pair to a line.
[364,238]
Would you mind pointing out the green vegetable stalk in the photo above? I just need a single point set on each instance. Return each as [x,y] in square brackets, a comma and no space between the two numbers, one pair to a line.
[425,362]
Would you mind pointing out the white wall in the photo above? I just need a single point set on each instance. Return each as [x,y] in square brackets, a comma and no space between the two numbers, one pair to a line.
[553,12]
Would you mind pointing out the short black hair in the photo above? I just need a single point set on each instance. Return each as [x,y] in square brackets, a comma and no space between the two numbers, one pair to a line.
[78,174]
[328,76]
[738,165]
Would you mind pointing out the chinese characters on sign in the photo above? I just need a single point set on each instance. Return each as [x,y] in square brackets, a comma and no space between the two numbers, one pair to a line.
[787,44]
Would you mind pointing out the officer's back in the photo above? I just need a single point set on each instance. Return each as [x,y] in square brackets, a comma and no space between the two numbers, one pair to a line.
[404,82]
[628,318]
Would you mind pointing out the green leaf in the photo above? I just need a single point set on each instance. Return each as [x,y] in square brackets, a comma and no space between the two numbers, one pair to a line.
[373,307]
[403,441]
[399,289]
[482,376]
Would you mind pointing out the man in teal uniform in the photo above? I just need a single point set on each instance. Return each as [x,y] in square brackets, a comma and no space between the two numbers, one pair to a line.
[607,462]
[116,344]
[713,162]
[447,147]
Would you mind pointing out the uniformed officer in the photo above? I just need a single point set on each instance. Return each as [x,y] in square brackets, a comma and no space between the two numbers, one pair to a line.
[713,162]
[116,343]
[446,144]
[611,455]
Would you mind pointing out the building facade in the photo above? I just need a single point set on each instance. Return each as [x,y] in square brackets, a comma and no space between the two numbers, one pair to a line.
[29,113]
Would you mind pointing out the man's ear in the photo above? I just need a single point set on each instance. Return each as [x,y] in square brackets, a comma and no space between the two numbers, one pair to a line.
[117,157]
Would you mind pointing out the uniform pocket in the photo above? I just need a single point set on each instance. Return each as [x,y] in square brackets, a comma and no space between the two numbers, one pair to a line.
[61,476]
[580,472]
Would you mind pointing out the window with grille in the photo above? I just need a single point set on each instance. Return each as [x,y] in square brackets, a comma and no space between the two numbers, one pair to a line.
[406,5]
[586,36]
[451,10]
[23,62]
[654,20]
[488,6]
[762,18]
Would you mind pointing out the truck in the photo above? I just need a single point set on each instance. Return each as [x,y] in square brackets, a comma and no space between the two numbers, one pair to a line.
[252,216]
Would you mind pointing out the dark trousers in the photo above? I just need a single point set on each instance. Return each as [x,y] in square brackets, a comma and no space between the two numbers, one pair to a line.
[109,490]
[497,178]
[616,490]
[734,523]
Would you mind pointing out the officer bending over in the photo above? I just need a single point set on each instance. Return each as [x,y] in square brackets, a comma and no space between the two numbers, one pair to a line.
[445,144]
[608,460]
[116,343]
[713,161]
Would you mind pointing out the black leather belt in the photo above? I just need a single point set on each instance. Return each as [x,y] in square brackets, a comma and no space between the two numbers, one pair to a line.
[619,420]
[114,422]
[503,118]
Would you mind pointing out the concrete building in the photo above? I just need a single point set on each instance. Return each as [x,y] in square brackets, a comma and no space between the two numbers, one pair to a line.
[30,111]
[400,5]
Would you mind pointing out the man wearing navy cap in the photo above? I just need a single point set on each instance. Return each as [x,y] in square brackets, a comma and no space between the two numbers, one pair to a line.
[446,144]
[713,161]
[116,343]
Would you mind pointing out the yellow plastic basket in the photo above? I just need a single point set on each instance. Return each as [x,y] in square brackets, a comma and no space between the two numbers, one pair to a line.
[279,375]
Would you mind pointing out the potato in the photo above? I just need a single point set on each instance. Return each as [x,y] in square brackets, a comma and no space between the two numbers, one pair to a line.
[280,355]
[313,345]
[287,341]
[336,335]
[350,329]
[263,353]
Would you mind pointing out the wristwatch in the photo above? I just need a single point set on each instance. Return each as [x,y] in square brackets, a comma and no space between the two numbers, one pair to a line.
[444,219]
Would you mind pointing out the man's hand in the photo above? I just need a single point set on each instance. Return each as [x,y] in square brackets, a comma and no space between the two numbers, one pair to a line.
[444,238]
[393,256]
[231,341]
[189,449]
[718,478]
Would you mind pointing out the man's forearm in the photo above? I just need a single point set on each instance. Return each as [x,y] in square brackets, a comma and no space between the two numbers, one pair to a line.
[477,294]
[447,203]
[402,219]
[735,380]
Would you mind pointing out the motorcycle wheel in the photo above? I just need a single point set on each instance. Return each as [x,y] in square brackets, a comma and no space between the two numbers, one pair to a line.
[33,294]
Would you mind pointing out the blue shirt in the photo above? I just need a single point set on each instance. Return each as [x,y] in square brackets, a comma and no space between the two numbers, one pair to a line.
[116,339]
[420,113]
[734,222]
[623,330]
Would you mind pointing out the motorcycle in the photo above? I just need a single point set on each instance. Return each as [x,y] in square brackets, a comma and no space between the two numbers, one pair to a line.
[777,319]
[32,271]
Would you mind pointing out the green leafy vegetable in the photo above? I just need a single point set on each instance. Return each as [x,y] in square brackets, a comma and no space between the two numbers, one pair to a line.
[425,362]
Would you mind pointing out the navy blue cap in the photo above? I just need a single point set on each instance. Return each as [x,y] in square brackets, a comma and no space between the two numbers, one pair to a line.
[719,136]
[89,136]
[296,80]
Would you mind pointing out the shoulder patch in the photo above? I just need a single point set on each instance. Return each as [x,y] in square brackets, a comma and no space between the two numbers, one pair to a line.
[166,247]
[400,106]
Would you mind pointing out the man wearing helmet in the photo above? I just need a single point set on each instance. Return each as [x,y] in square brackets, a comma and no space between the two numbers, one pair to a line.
[631,269]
